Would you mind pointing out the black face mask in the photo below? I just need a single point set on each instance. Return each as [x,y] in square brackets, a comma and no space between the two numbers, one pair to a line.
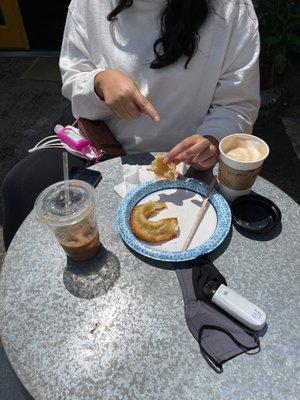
[220,337]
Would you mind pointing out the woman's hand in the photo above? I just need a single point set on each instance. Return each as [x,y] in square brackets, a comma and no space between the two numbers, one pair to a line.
[199,151]
[122,96]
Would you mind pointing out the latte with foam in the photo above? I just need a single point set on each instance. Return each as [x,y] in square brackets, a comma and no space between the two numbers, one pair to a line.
[241,158]
[245,150]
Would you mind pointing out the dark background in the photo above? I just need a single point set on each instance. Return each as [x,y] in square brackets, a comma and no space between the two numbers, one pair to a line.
[44,22]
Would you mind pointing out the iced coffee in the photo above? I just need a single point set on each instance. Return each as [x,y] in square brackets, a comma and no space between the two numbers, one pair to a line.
[68,208]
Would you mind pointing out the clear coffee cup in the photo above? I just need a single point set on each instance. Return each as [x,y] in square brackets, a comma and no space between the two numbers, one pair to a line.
[241,158]
[70,214]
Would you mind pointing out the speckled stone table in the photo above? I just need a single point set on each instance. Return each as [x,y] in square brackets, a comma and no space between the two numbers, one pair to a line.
[133,342]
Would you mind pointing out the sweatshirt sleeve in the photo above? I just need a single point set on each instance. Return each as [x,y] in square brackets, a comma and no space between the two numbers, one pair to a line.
[236,99]
[78,72]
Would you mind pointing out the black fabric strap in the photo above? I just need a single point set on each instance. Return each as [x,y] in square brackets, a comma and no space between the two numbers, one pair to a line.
[217,366]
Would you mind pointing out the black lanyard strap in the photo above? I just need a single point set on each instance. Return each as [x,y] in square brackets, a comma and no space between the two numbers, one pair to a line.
[217,366]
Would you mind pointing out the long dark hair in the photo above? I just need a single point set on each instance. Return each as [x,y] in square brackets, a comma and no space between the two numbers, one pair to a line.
[180,24]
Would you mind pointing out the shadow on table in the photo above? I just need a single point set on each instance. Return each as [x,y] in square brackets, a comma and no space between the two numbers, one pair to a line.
[137,159]
[92,278]
[263,331]
[261,237]
[172,266]
[205,176]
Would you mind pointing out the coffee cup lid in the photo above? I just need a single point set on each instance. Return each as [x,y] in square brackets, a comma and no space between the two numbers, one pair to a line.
[50,206]
[255,214]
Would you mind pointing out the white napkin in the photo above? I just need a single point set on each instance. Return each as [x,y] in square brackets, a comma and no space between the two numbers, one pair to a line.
[134,175]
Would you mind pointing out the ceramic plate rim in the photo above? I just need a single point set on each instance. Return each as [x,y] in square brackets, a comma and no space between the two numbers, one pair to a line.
[220,205]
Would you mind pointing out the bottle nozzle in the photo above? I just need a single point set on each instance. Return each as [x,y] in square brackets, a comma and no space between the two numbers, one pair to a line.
[58,128]
[210,288]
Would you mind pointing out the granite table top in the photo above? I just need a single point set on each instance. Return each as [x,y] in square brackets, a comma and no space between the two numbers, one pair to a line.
[132,342]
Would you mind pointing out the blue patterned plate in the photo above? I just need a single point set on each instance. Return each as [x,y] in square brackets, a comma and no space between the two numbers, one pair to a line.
[182,197]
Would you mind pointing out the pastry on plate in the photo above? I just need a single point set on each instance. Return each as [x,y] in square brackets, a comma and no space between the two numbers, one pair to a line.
[162,170]
[152,231]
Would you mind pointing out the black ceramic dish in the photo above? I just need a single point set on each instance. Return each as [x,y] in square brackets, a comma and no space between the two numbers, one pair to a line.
[255,214]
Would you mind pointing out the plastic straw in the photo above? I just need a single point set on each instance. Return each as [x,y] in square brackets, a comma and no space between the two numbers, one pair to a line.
[66,178]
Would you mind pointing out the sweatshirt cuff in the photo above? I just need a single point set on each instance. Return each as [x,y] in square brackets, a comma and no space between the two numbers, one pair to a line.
[105,111]
[217,133]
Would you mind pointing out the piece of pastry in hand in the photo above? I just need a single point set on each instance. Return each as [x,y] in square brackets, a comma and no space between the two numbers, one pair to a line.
[162,170]
[152,231]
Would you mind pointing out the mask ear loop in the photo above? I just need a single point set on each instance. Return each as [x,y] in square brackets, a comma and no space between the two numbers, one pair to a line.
[214,364]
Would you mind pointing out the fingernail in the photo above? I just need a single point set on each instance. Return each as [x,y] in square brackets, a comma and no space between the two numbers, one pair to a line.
[156,118]
[166,160]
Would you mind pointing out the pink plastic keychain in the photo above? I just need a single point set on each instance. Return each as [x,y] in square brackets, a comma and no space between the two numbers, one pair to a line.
[69,137]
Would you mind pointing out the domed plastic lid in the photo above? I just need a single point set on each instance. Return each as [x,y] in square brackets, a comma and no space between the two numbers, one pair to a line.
[255,214]
[55,207]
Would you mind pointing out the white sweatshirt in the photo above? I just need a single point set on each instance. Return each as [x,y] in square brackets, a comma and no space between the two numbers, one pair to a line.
[218,94]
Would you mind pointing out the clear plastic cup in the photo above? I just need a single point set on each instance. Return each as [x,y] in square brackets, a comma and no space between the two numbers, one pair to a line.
[73,222]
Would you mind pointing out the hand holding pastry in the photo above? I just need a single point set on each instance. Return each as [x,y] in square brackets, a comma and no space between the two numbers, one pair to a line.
[163,170]
[199,151]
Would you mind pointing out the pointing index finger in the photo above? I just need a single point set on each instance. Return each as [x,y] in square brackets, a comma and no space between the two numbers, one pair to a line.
[146,107]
